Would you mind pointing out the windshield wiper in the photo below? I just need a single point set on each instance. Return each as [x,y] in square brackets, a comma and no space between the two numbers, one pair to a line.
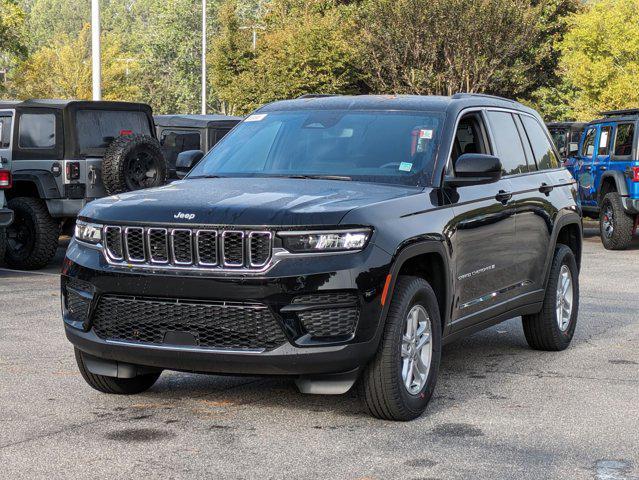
[320,177]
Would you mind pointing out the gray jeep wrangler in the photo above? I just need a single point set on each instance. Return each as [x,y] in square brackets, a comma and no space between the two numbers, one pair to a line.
[63,154]
[6,215]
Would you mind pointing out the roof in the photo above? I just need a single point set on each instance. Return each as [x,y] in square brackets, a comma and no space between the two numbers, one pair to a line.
[620,113]
[431,103]
[59,104]
[569,124]
[629,114]
[196,121]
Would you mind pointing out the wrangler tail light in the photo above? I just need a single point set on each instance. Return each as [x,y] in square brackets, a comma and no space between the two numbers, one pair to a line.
[634,174]
[5,179]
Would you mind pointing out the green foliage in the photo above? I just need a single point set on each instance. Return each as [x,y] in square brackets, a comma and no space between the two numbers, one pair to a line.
[600,56]
[304,48]
[12,18]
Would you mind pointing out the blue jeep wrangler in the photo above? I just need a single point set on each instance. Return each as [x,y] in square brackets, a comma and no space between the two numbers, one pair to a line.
[606,168]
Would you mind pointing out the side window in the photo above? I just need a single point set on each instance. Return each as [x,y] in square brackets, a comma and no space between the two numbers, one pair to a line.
[604,141]
[588,148]
[37,130]
[5,131]
[468,138]
[623,141]
[540,144]
[174,142]
[508,143]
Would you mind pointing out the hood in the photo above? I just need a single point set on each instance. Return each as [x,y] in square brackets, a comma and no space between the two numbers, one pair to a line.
[243,202]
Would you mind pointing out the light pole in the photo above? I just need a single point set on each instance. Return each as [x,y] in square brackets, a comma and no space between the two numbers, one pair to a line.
[95,49]
[203,57]
[254,29]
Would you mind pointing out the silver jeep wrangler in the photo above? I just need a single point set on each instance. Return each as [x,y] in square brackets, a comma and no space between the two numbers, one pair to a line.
[63,154]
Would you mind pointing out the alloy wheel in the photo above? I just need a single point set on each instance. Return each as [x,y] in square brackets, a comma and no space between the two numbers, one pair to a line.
[564,298]
[417,349]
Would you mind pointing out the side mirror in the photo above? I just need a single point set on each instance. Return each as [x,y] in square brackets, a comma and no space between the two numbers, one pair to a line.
[475,169]
[186,161]
[573,148]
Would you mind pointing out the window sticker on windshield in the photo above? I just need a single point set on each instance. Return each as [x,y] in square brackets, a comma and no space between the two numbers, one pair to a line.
[258,117]
[426,133]
[405,167]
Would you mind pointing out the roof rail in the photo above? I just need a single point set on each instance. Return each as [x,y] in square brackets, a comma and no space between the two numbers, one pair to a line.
[318,95]
[616,113]
[482,95]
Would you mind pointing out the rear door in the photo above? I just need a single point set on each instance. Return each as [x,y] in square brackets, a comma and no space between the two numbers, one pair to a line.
[585,168]
[603,150]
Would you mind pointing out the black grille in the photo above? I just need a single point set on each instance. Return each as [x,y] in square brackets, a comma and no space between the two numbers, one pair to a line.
[158,245]
[114,242]
[182,247]
[187,248]
[77,304]
[207,247]
[211,325]
[327,298]
[233,245]
[336,322]
[135,244]
[260,248]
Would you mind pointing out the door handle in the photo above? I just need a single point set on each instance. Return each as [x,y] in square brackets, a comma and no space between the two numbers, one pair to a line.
[588,168]
[503,196]
[602,167]
[545,188]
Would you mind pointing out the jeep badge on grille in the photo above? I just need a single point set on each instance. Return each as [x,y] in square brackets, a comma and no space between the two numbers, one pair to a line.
[186,216]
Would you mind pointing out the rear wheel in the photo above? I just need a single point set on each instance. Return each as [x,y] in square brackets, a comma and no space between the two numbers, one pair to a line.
[615,225]
[554,326]
[118,386]
[400,380]
[32,238]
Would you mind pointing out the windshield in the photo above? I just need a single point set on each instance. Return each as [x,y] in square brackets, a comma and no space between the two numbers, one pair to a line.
[370,146]
[97,128]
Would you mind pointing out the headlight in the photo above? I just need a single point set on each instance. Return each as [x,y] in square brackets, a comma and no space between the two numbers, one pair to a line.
[88,232]
[329,241]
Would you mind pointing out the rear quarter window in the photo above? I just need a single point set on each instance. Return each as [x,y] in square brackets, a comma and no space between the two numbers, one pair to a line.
[5,130]
[540,144]
[37,130]
[624,140]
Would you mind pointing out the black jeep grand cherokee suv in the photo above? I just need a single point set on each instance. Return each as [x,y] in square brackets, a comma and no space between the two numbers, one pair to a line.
[331,239]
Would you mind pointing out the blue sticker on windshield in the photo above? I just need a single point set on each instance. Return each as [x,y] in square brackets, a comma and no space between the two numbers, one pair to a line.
[405,167]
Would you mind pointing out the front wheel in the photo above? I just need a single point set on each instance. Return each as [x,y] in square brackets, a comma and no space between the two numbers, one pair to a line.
[554,326]
[400,380]
[615,225]
[118,386]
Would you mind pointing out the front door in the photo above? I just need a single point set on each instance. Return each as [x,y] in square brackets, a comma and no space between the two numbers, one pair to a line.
[584,171]
[602,158]
[482,233]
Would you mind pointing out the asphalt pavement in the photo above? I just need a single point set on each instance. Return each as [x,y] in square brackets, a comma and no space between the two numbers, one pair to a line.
[500,411]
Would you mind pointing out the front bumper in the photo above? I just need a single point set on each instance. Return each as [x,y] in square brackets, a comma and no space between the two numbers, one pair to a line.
[362,273]
[6,217]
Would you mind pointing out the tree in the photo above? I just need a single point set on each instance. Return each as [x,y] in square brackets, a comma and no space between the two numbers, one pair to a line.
[600,57]
[63,70]
[304,49]
[447,46]
[12,47]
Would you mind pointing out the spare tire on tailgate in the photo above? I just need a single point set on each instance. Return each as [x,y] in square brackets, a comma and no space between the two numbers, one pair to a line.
[133,162]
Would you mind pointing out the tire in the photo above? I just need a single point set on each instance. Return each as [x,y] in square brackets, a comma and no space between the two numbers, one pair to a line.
[32,238]
[113,385]
[615,232]
[382,387]
[133,162]
[542,330]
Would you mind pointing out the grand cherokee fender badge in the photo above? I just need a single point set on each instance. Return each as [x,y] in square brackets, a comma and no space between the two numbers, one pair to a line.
[185,216]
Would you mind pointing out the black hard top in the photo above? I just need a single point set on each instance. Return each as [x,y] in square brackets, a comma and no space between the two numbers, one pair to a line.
[628,114]
[196,121]
[568,124]
[57,104]
[432,103]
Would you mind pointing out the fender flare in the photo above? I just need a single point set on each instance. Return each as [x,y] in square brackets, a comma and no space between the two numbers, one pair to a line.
[619,179]
[42,179]
[569,217]
[402,255]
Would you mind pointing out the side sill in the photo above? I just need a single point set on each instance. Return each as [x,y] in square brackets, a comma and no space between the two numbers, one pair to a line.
[516,312]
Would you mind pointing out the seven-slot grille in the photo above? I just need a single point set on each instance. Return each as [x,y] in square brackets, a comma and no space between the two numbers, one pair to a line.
[185,247]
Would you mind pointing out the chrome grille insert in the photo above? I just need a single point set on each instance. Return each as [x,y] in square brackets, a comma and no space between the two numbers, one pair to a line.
[180,248]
